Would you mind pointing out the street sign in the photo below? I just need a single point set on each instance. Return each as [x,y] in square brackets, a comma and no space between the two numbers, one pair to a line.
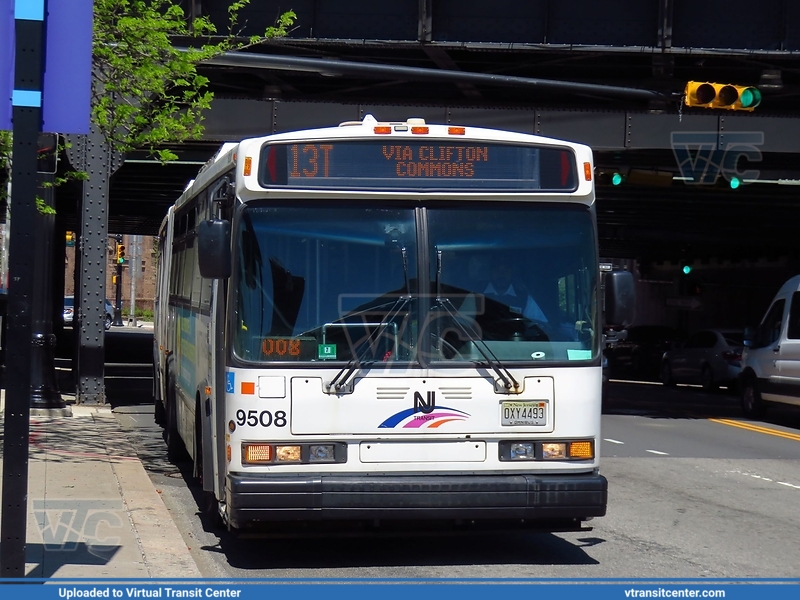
[68,65]
[684,303]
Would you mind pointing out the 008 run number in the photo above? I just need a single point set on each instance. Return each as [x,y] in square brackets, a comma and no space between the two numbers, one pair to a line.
[264,418]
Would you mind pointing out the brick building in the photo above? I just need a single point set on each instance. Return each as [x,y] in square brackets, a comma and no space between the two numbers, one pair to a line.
[140,257]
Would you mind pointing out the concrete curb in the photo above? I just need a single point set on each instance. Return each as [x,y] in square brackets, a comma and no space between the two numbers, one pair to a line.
[164,552]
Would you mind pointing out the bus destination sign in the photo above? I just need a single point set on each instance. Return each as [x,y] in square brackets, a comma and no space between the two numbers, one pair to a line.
[418,164]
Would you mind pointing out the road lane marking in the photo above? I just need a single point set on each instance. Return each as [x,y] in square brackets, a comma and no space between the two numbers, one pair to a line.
[658,452]
[762,478]
[612,441]
[758,429]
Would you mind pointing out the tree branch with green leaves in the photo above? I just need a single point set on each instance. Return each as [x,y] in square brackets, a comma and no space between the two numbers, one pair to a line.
[146,92]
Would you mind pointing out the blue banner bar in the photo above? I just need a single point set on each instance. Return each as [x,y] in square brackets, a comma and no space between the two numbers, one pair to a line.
[28,98]
[29,10]
[403,589]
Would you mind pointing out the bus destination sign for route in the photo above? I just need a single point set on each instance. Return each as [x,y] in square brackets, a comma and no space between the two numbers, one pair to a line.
[435,165]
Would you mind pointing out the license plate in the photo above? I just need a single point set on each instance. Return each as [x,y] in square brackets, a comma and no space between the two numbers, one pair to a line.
[523,413]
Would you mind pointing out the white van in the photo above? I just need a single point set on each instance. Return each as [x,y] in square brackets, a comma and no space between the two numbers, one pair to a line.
[771,358]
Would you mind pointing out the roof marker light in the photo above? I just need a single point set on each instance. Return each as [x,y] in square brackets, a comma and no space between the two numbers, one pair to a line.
[457,130]
[419,130]
[382,129]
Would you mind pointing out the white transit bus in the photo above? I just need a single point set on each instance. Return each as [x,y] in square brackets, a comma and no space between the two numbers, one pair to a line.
[328,346]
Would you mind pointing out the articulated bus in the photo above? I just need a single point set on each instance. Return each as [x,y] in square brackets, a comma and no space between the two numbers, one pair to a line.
[327,347]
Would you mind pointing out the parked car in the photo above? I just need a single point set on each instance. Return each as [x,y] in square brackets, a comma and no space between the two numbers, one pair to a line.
[711,357]
[771,361]
[639,352]
[69,311]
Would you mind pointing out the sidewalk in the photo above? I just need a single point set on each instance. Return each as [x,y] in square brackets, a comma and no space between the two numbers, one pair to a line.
[92,510]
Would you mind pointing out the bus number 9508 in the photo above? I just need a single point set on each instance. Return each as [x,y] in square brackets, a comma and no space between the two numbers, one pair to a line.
[264,418]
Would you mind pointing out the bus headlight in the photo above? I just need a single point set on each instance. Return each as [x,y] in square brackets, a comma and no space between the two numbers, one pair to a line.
[554,450]
[288,454]
[271,453]
[522,451]
[321,453]
[569,450]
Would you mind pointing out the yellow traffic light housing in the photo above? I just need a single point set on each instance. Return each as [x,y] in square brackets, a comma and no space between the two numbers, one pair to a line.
[120,254]
[721,95]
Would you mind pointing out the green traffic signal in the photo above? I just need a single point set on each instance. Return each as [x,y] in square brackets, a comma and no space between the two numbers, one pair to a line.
[687,269]
[750,97]
[616,179]
[735,183]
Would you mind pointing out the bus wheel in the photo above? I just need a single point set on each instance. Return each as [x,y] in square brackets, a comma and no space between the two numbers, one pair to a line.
[160,413]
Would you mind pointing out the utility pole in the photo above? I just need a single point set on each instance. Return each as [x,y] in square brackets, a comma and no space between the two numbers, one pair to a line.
[132,273]
[22,297]
[118,299]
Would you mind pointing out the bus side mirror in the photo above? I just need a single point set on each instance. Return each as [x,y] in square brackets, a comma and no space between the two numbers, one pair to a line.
[619,300]
[214,249]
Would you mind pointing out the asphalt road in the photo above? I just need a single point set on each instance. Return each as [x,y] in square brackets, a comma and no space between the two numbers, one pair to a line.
[695,490]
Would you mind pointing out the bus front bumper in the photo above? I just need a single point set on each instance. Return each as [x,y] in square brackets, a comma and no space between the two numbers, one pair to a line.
[255,498]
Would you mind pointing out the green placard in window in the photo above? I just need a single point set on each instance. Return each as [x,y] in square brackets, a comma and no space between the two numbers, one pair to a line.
[326,351]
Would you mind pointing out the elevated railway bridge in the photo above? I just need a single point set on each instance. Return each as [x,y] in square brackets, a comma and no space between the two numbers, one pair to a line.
[610,75]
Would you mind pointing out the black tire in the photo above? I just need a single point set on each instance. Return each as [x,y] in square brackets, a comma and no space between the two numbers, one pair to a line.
[666,374]
[752,404]
[159,413]
[707,379]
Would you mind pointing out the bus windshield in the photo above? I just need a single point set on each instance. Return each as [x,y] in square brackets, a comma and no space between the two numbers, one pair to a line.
[317,283]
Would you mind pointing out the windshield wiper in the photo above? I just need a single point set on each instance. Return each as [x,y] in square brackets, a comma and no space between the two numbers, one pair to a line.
[494,363]
[339,384]
[481,346]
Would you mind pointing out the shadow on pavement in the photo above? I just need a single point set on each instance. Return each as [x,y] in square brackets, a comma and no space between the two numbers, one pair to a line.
[687,402]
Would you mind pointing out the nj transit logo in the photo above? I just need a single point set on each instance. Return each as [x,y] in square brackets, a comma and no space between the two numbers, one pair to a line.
[412,418]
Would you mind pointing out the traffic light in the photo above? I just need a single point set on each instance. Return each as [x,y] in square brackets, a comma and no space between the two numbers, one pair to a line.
[113,280]
[120,254]
[721,95]
[606,177]
[70,238]
[686,269]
